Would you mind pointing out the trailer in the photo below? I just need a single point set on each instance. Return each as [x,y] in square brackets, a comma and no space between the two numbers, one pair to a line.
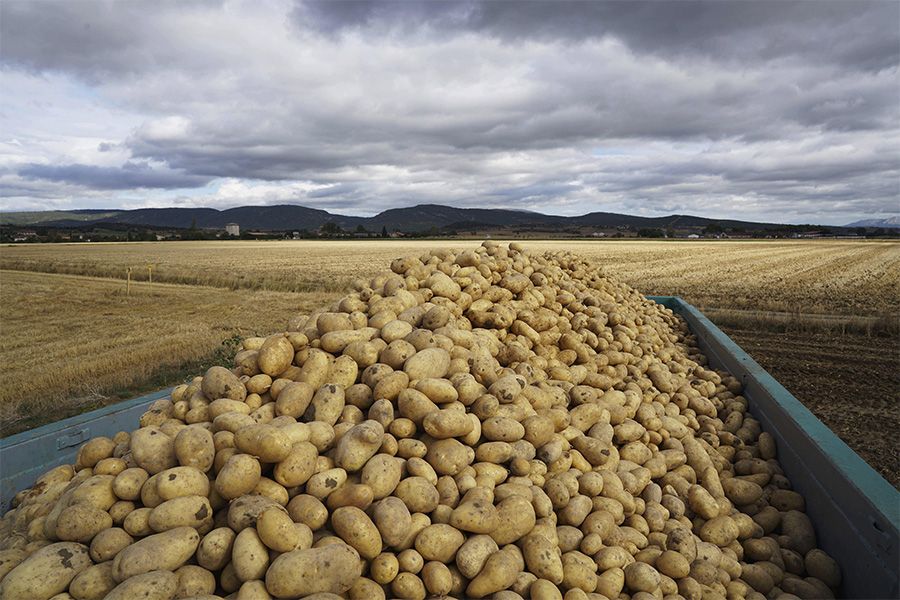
[855,511]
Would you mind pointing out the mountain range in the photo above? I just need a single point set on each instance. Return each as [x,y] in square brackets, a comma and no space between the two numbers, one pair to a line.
[424,217]
[890,222]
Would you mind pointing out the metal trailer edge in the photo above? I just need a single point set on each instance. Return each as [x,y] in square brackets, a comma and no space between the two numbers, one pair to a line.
[856,512]
[27,455]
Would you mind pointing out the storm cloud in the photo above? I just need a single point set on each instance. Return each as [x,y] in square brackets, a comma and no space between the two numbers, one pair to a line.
[786,111]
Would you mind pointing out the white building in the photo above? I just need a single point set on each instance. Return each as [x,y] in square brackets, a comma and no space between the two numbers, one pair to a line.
[233,229]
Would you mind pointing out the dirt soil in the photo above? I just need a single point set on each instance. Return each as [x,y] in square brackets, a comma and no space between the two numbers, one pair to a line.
[851,382]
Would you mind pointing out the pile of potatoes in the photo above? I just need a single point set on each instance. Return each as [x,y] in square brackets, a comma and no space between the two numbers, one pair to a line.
[488,423]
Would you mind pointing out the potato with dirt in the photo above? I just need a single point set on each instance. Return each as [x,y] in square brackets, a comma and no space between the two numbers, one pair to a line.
[47,572]
[333,569]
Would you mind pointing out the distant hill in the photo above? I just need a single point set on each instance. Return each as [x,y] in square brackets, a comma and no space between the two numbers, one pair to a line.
[51,216]
[421,218]
[890,222]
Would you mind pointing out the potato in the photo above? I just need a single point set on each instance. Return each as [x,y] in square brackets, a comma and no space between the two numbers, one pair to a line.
[357,530]
[476,513]
[244,511]
[194,581]
[473,554]
[94,583]
[184,511]
[308,510]
[294,399]
[137,523]
[219,382]
[498,573]
[824,568]
[410,560]
[437,578]
[343,372]
[439,542]
[418,494]
[543,558]
[275,355]
[702,502]
[322,484]
[249,556]
[393,520]
[673,564]
[741,492]
[251,590]
[9,559]
[81,522]
[395,330]
[439,391]
[721,531]
[277,531]
[160,552]
[427,364]
[214,551]
[443,424]
[517,518]
[358,445]
[351,494]
[384,568]
[153,450]
[194,447]
[332,569]
[298,466]
[327,404]
[336,341]
[182,481]
[407,585]
[238,477]
[94,451]
[641,577]
[48,571]
[449,456]
[154,585]
[544,590]
[268,443]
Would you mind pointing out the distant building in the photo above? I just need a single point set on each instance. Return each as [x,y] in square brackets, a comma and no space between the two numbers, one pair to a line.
[24,236]
[233,229]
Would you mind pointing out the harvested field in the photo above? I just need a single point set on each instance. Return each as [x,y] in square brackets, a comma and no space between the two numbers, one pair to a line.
[847,278]
[821,316]
[72,343]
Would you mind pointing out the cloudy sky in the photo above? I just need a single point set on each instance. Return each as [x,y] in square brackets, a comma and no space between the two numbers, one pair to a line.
[783,111]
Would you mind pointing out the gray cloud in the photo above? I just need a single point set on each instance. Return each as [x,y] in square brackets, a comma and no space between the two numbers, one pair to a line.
[767,29]
[128,176]
[781,110]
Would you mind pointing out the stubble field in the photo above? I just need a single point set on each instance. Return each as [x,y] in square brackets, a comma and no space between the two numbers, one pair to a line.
[821,316]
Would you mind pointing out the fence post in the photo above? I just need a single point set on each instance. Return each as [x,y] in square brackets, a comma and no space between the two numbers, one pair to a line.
[128,281]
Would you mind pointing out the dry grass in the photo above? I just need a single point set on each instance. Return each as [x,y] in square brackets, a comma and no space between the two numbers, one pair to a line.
[70,341]
[839,277]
